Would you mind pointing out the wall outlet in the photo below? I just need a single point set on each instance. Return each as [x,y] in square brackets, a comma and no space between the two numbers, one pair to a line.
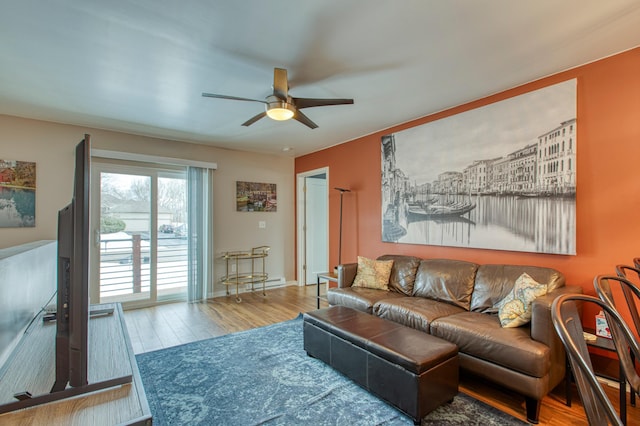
[262,224]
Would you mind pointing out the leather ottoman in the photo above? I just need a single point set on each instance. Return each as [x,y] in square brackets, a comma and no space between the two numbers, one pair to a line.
[410,369]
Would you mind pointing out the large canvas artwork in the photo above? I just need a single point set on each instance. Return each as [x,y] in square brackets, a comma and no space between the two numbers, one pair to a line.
[17,194]
[498,177]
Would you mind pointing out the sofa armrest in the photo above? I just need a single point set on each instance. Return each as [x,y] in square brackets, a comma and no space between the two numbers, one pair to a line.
[346,274]
[542,330]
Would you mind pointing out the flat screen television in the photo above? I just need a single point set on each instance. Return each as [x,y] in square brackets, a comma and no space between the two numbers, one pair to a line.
[73,308]
[72,317]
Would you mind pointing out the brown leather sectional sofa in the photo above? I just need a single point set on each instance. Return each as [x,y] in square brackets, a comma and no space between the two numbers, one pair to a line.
[455,300]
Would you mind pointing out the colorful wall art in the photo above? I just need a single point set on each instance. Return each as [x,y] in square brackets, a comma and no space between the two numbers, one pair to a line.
[256,197]
[17,194]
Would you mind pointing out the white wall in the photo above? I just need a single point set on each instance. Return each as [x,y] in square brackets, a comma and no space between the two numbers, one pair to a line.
[52,145]
[31,270]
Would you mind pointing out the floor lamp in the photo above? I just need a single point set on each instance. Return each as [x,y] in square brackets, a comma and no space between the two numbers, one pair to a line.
[342,191]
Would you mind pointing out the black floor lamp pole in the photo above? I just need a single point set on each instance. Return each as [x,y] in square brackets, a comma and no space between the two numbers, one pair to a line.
[342,191]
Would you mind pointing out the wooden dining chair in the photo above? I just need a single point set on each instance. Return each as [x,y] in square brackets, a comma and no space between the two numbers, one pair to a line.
[602,284]
[568,325]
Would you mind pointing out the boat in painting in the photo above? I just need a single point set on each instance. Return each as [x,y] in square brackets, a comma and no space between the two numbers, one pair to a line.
[432,211]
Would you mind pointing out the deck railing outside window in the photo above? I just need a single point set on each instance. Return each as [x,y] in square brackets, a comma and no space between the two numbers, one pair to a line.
[125,265]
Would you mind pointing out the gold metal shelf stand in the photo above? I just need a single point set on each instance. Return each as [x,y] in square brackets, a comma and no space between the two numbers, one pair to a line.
[237,278]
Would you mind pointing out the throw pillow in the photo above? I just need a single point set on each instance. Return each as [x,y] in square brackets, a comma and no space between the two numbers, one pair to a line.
[515,308]
[373,273]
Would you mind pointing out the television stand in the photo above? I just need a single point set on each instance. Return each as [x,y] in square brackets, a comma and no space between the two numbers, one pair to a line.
[51,315]
[99,312]
[112,371]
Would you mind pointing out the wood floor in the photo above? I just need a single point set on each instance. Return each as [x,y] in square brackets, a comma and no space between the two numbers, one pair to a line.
[178,323]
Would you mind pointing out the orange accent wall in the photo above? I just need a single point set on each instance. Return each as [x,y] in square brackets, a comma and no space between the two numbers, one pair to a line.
[608,180]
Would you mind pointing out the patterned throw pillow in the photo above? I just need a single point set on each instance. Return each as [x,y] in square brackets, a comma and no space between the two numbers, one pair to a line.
[373,273]
[515,308]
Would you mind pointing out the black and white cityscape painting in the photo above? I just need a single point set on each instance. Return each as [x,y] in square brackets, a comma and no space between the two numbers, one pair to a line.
[500,177]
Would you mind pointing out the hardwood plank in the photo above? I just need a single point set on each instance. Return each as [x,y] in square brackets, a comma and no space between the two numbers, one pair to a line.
[224,315]
[146,335]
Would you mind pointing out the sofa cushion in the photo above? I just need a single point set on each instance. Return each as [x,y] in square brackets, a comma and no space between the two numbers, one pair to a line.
[358,298]
[494,282]
[403,273]
[414,312]
[515,309]
[481,336]
[446,280]
[373,273]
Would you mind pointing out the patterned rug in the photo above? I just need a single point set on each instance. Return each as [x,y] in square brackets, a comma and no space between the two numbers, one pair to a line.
[264,377]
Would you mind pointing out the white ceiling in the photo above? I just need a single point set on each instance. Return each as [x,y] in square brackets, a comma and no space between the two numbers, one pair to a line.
[140,66]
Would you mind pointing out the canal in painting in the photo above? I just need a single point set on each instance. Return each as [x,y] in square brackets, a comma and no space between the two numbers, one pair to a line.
[518,223]
[17,207]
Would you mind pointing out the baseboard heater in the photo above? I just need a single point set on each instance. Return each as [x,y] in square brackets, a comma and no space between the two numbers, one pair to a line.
[272,283]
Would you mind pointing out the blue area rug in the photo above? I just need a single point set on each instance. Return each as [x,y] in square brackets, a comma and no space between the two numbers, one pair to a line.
[264,377]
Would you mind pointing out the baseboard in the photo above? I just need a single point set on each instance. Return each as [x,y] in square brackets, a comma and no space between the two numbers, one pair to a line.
[608,382]
[269,284]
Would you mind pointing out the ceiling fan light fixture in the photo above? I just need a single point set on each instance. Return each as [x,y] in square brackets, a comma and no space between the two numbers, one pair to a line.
[280,106]
[280,111]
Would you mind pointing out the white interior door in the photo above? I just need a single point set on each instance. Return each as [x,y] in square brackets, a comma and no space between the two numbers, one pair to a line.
[317,227]
[313,225]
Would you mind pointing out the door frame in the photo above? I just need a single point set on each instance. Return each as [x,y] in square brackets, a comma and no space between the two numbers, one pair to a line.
[301,219]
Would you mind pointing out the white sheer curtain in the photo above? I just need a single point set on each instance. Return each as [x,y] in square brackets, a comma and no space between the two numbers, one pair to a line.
[200,235]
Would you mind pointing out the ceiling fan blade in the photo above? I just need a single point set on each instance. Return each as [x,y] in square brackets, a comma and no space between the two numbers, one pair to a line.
[309,102]
[280,83]
[252,120]
[233,98]
[304,120]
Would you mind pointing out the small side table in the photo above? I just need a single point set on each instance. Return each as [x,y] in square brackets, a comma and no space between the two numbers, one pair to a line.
[324,276]
[237,278]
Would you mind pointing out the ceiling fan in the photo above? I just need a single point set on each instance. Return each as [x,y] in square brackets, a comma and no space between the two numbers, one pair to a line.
[280,106]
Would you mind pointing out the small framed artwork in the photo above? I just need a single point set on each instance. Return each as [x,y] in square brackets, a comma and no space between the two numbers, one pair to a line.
[256,197]
[17,194]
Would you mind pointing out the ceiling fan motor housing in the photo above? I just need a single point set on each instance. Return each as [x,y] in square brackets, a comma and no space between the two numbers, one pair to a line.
[279,109]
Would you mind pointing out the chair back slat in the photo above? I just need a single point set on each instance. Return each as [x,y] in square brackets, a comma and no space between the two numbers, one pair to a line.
[631,292]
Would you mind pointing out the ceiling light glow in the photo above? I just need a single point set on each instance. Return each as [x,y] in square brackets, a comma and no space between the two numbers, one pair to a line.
[280,110]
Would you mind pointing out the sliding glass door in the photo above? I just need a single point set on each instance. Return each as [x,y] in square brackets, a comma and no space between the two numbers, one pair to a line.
[171,234]
[141,247]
